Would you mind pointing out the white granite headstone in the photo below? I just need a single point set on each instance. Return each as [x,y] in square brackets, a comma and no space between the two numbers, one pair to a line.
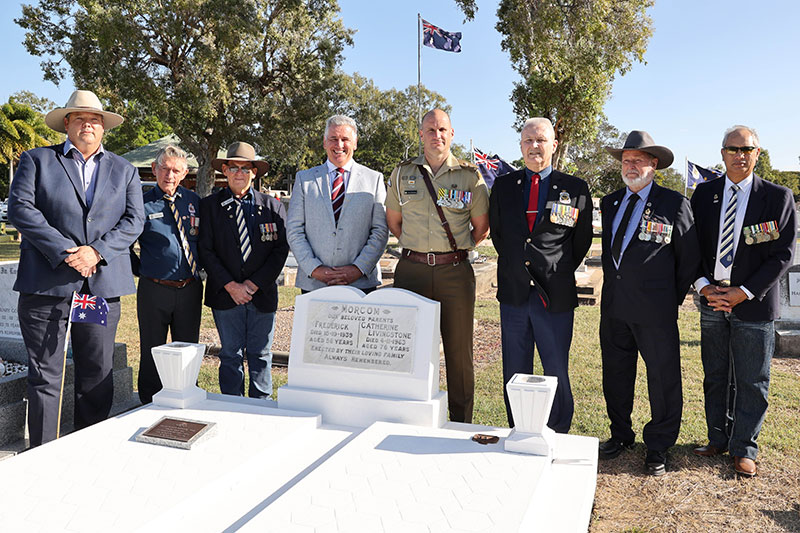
[9,321]
[354,357]
[790,295]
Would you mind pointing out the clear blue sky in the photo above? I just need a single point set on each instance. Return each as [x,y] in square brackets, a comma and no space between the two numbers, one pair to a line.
[710,64]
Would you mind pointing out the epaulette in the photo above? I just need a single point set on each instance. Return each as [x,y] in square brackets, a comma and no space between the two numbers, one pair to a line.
[408,161]
[467,164]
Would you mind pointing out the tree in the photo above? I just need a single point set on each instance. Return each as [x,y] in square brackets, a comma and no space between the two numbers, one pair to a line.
[40,104]
[765,171]
[140,128]
[590,161]
[568,53]
[21,128]
[671,179]
[214,71]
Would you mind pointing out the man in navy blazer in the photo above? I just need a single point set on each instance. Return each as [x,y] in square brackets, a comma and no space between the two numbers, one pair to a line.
[650,255]
[78,208]
[243,249]
[541,225]
[746,228]
[337,223]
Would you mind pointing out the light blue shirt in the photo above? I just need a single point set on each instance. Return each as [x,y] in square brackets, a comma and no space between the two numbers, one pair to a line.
[332,174]
[86,168]
[636,216]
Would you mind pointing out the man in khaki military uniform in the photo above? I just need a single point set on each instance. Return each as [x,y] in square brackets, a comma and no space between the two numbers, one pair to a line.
[434,263]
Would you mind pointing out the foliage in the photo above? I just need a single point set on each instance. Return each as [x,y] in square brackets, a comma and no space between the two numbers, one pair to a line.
[590,161]
[40,104]
[21,128]
[671,179]
[786,178]
[568,54]
[214,71]
[140,128]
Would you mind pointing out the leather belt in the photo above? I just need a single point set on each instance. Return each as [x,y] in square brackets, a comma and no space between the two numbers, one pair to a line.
[177,284]
[435,258]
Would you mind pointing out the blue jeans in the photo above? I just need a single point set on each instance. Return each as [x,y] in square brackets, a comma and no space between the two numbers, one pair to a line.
[244,330]
[736,360]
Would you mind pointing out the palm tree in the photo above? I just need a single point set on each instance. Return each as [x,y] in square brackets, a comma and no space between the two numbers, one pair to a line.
[21,128]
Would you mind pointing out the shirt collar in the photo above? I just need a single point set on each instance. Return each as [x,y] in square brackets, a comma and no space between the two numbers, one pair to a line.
[162,194]
[545,172]
[743,185]
[246,198]
[643,194]
[68,146]
[348,167]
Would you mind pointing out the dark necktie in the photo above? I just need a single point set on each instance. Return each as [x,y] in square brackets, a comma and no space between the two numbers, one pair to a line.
[244,235]
[726,244]
[616,246]
[533,202]
[181,235]
[337,194]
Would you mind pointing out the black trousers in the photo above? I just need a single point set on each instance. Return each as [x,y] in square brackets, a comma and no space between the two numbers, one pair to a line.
[161,309]
[43,322]
[621,342]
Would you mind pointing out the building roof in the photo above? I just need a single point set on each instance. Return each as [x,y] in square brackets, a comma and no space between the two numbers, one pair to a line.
[144,155]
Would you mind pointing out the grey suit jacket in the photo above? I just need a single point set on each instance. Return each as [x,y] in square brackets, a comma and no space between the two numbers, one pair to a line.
[358,239]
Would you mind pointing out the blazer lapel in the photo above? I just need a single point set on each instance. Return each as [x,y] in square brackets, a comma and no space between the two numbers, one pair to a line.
[753,214]
[102,175]
[608,215]
[72,172]
[325,191]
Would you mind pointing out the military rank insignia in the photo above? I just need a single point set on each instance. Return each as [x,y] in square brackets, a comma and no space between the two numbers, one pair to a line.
[453,198]
[763,232]
[269,231]
[564,215]
[655,231]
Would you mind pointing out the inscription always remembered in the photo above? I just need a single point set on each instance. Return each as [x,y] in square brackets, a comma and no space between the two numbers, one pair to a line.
[361,335]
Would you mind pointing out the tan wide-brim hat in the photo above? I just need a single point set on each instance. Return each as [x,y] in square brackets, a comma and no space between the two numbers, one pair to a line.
[241,151]
[641,140]
[81,102]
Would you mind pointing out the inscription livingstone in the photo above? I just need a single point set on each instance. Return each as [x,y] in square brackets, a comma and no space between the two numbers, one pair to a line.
[368,336]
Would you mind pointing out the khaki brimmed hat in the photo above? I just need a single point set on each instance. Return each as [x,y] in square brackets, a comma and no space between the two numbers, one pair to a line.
[241,151]
[641,140]
[81,102]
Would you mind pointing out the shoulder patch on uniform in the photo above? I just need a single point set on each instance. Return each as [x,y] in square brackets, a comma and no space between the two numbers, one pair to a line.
[467,164]
[407,161]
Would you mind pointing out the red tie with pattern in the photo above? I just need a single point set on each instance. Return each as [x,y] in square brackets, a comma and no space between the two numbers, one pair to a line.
[533,202]
[337,193]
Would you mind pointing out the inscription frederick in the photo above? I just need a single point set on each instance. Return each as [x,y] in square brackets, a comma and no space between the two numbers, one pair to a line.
[369,336]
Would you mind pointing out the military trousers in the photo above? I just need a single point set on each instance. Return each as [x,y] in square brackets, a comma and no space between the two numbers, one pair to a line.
[453,286]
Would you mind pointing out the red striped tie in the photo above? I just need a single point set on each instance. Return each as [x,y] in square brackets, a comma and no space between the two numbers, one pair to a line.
[337,194]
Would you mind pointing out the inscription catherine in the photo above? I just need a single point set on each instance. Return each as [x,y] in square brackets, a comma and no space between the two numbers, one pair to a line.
[370,336]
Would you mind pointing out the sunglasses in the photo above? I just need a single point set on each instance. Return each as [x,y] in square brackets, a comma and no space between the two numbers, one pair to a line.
[743,149]
[244,170]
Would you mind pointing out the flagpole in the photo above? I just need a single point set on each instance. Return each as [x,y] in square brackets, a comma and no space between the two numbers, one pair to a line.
[686,176]
[419,79]
[64,366]
[472,151]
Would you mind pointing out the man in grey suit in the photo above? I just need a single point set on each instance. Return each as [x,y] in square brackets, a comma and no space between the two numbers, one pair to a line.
[336,225]
[79,209]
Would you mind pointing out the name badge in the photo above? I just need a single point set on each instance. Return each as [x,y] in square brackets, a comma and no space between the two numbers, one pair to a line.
[151,216]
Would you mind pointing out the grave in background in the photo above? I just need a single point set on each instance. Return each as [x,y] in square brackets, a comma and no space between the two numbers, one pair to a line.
[787,328]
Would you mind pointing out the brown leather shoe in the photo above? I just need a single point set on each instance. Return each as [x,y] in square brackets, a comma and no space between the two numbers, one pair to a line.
[709,450]
[744,466]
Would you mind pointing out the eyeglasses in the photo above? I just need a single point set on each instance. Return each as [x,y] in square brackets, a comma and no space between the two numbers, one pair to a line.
[244,170]
[744,149]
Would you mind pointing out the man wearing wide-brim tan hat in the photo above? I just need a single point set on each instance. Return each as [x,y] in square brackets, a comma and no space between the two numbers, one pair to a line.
[78,208]
[243,249]
[650,257]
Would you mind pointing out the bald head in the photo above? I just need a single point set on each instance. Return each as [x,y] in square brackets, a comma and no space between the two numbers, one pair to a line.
[436,135]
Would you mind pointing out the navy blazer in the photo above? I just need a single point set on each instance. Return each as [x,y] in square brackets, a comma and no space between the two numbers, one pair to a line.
[758,266]
[222,258]
[551,252]
[47,204]
[653,278]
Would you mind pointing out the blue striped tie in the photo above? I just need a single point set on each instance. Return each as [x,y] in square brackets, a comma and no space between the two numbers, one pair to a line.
[244,236]
[726,244]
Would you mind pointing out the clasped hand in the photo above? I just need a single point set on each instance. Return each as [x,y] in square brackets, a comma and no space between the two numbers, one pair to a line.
[84,259]
[723,298]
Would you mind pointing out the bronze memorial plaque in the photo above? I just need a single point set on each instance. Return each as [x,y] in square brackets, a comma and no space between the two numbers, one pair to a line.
[175,432]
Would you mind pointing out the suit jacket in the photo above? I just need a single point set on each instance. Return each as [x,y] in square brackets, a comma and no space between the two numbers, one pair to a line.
[47,204]
[758,266]
[221,256]
[358,239]
[550,253]
[653,277]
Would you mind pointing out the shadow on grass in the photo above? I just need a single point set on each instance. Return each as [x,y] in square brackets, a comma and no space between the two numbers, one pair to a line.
[679,459]
[789,520]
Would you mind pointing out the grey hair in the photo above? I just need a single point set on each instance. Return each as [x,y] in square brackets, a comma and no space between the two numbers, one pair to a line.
[538,121]
[340,120]
[171,151]
[738,127]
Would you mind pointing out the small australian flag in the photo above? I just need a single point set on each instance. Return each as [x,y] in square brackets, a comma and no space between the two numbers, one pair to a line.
[436,37]
[87,309]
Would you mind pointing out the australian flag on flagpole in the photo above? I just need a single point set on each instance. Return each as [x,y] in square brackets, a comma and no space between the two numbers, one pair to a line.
[491,167]
[436,37]
[696,174]
[88,309]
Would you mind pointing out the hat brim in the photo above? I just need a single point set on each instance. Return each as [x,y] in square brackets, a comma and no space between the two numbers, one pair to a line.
[261,166]
[55,118]
[662,153]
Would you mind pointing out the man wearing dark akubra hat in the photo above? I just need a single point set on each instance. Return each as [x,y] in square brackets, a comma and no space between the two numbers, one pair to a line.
[243,249]
[79,209]
[746,226]
[650,258]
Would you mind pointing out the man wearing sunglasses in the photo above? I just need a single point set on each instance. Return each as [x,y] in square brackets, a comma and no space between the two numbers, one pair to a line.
[746,227]
[243,249]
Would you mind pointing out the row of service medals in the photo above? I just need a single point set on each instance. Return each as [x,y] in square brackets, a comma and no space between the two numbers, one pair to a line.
[269,231]
[562,213]
[194,221]
[763,232]
[453,198]
[655,231]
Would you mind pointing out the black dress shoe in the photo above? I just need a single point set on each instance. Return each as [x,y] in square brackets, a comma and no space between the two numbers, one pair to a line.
[656,463]
[612,448]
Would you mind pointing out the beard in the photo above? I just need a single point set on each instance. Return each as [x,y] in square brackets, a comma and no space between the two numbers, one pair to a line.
[639,182]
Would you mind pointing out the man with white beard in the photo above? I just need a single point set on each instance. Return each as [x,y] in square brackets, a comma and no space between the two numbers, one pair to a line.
[650,257]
